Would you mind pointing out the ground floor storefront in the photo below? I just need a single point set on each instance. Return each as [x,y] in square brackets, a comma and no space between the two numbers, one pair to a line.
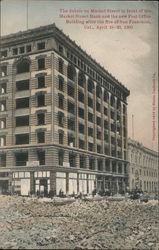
[57,181]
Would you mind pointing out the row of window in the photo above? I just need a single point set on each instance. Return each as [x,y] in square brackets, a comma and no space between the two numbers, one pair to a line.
[93,74]
[22,49]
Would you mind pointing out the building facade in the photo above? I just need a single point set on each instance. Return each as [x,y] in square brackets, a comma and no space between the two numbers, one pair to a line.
[143,170]
[63,117]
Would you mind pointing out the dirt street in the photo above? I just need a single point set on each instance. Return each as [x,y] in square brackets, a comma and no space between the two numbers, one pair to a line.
[30,223]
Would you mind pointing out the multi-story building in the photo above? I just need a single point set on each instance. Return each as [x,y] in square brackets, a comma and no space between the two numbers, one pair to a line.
[63,119]
[143,170]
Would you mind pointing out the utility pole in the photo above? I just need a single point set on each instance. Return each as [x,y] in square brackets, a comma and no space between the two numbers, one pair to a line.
[133,127]
[27,15]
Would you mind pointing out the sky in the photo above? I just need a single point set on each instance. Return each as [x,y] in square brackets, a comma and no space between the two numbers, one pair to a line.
[129,55]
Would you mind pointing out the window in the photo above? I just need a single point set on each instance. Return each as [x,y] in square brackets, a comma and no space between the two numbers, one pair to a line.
[41,46]
[99,134]
[112,101]
[106,96]
[4,53]
[21,159]
[105,124]
[90,131]
[100,164]
[98,91]
[98,106]
[61,101]
[3,70]
[3,88]
[106,150]
[81,79]
[2,123]
[81,112]
[21,50]
[81,144]
[80,97]
[90,102]
[70,90]
[60,48]
[2,106]
[105,111]
[99,149]
[61,119]
[81,128]
[82,161]
[71,107]
[90,117]
[90,86]
[72,160]
[41,82]
[41,118]
[41,63]
[98,121]
[22,85]
[61,137]
[28,48]
[22,139]
[15,51]
[71,139]
[41,137]
[90,146]
[2,141]
[3,160]
[41,157]
[71,124]
[61,157]
[41,100]
[113,167]
[22,121]
[107,165]
[23,66]
[61,63]
[71,72]
[22,103]
[61,83]
[91,163]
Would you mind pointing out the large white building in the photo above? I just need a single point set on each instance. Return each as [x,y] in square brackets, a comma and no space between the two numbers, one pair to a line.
[143,168]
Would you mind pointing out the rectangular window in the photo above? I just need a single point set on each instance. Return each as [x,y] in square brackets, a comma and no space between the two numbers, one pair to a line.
[21,50]
[90,146]
[61,119]
[3,71]
[22,121]
[90,117]
[61,101]
[41,63]
[61,66]
[80,97]
[98,106]
[4,53]
[71,107]
[41,46]
[98,121]
[81,144]
[61,138]
[41,100]
[90,131]
[28,48]
[22,139]
[22,85]
[15,51]
[41,82]
[21,159]
[3,88]
[41,118]
[70,90]
[3,160]
[81,112]
[41,137]
[22,103]
[81,128]
[41,157]
[61,83]
[90,102]
[71,124]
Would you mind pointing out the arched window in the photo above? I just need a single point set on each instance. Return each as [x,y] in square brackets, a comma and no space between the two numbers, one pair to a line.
[71,72]
[112,101]
[90,85]
[81,79]
[98,91]
[106,96]
[23,66]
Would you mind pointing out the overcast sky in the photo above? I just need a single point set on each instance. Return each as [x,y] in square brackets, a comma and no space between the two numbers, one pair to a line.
[131,56]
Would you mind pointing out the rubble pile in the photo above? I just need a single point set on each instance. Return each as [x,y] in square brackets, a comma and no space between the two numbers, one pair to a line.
[31,223]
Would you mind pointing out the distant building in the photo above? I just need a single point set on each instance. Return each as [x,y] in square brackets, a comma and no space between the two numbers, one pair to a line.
[63,117]
[143,168]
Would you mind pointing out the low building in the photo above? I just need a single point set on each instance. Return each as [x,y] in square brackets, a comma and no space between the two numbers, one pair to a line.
[143,168]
